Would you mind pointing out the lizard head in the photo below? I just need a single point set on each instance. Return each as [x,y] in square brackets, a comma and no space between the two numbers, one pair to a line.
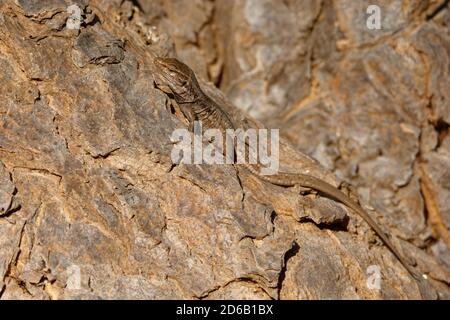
[174,77]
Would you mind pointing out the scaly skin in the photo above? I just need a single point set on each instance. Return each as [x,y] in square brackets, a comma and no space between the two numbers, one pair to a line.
[177,79]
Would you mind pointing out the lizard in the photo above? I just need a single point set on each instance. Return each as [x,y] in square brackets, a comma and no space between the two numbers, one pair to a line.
[176,79]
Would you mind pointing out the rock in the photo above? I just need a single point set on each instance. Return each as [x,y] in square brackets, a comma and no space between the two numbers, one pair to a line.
[92,207]
[7,191]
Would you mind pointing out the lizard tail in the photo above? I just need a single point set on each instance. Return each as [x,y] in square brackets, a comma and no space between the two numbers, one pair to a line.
[290,180]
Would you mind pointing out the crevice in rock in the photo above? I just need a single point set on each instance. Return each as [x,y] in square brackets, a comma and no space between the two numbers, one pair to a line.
[136,4]
[9,212]
[432,210]
[193,183]
[55,123]
[443,130]
[439,8]
[288,255]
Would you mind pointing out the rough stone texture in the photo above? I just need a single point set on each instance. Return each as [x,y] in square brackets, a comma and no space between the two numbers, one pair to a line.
[92,207]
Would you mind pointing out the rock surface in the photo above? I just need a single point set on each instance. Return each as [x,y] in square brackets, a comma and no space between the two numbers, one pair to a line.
[91,205]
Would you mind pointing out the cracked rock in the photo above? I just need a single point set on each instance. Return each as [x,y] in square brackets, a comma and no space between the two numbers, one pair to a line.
[85,149]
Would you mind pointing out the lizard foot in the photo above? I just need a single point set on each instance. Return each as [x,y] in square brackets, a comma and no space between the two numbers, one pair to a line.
[349,191]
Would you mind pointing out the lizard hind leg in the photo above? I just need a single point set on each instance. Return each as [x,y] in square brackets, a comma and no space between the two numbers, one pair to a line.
[298,189]
[349,190]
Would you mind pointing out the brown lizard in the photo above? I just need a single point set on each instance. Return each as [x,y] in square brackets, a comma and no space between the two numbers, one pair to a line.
[178,80]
